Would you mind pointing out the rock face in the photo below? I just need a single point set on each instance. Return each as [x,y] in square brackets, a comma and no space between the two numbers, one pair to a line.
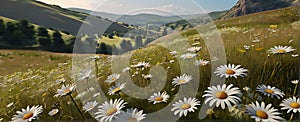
[244,7]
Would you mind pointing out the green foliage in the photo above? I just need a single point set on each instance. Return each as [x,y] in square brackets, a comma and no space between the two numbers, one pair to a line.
[125,46]
[42,31]
[44,41]
[28,32]
[138,41]
[57,39]
[2,27]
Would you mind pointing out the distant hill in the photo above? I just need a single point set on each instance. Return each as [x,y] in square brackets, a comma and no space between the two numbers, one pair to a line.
[139,19]
[186,23]
[52,16]
[244,7]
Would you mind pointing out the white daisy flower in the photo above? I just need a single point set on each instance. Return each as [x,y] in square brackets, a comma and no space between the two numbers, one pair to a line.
[201,62]
[53,112]
[173,52]
[28,114]
[263,113]
[59,81]
[196,43]
[246,88]
[183,79]
[95,57]
[182,107]
[109,110]
[171,61]
[112,78]
[295,82]
[247,47]
[159,97]
[194,49]
[141,65]
[188,56]
[295,55]
[10,104]
[89,106]
[131,115]
[292,104]
[270,91]
[116,89]
[126,69]
[231,70]
[147,76]
[256,40]
[96,94]
[281,49]
[65,90]
[221,95]
[85,74]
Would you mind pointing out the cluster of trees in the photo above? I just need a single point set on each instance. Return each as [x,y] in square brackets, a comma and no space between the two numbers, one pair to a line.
[126,45]
[89,44]
[23,34]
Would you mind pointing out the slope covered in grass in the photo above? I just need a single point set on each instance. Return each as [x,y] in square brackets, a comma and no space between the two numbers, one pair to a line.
[53,16]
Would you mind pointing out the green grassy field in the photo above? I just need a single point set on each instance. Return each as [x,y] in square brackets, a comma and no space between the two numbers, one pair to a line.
[25,82]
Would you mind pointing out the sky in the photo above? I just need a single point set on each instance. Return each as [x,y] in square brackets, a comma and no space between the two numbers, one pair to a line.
[163,7]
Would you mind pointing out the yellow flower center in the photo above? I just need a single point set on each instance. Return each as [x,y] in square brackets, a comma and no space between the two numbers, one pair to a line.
[111,111]
[221,95]
[132,120]
[116,90]
[185,106]
[67,91]
[230,72]
[295,105]
[159,98]
[182,81]
[281,51]
[189,56]
[262,114]
[91,107]
[27,116]
[269,91]
[113,79]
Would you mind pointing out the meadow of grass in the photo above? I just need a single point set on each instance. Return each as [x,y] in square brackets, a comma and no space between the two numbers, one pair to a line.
[35,85]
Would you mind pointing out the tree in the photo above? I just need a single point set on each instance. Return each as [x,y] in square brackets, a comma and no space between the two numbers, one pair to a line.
[92,41]
[111,36]
[12,34]
[138,41]
[165,32]
[44,41]
[2,27]
[28,32]
[43,32]
[126,45]
[43,37]
[57,40]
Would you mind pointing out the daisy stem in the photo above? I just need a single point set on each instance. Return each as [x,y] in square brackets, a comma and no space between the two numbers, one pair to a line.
[295,89]
[77,106]
[292,116]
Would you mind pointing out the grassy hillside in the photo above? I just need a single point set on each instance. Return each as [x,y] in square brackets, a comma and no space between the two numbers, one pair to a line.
[64,35]
[37,86]
[53,16]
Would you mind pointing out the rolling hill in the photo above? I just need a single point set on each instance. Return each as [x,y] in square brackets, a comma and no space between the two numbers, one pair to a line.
[139,19]
[52,16]
[244,7]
